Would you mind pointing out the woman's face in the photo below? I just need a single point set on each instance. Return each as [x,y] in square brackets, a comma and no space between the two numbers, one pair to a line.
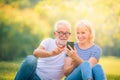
[83,35]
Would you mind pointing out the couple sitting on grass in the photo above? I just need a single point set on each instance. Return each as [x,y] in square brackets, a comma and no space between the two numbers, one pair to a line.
[52,60]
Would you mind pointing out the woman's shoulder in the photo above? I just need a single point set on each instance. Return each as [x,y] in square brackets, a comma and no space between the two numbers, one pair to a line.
[97,47]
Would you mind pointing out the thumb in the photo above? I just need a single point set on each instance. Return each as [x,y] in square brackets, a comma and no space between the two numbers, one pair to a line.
[75,49]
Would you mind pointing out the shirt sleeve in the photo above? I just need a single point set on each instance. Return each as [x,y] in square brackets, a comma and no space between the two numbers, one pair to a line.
[45,43]
[97,52]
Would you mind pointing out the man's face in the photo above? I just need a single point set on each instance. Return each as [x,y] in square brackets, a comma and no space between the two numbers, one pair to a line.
[62,34]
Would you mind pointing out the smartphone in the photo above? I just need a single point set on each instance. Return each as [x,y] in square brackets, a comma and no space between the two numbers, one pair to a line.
[71,44]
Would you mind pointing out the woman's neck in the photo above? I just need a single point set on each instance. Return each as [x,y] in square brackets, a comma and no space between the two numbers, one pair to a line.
[85,45]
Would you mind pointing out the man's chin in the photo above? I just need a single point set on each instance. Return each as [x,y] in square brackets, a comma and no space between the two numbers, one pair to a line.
[62,43]
[61,46]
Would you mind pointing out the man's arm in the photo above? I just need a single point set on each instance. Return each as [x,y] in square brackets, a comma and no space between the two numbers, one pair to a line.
[41,52]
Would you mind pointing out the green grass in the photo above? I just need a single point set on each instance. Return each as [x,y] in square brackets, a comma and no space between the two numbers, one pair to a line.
[111,66]
[8,69]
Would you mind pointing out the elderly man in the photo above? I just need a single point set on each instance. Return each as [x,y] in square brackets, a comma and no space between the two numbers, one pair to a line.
[51,55]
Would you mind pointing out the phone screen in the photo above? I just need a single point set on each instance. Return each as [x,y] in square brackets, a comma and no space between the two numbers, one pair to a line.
[71,44]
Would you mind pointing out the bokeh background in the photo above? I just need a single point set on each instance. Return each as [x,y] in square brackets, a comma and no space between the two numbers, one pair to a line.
[24,23]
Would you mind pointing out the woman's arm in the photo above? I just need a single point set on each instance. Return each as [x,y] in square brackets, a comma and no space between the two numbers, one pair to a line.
[93,61]
[68,66]
[72,61]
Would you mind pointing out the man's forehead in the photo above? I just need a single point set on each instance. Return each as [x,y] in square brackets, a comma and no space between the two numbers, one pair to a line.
[63,27]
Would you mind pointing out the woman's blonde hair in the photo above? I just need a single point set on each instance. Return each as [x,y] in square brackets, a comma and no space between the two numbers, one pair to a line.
[86,24]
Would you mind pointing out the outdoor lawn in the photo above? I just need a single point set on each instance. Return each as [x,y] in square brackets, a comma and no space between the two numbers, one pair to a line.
[111,66]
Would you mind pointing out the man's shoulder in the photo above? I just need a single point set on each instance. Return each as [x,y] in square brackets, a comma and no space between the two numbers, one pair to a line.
[48,39]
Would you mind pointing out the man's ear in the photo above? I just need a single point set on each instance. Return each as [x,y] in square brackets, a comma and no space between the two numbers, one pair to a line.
[54,33]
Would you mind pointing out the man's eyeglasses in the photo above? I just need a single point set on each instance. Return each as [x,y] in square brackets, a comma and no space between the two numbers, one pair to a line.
[63,33]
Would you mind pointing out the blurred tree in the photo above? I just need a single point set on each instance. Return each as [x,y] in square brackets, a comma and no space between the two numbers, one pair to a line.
[25,23]
[17,38]
[21,4]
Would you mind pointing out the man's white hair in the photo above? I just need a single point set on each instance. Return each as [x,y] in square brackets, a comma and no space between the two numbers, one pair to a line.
[62,22]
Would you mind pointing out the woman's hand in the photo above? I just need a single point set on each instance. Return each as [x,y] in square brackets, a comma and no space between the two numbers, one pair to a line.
[73,54]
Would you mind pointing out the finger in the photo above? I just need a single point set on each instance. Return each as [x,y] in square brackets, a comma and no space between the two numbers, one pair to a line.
[61,49]
[68,52]
[75,50]
[70,47]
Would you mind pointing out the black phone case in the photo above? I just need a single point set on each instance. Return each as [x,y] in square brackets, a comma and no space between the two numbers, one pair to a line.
[71,44]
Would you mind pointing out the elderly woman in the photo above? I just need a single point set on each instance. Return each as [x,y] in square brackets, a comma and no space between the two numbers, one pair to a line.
[82,61]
